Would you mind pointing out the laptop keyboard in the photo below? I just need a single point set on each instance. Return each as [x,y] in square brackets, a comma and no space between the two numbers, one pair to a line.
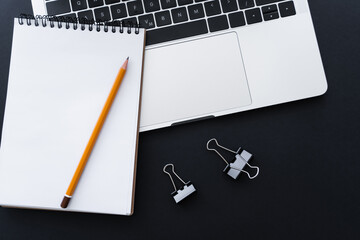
[167,20]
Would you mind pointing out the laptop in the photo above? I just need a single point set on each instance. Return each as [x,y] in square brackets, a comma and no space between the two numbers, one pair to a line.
[208,58]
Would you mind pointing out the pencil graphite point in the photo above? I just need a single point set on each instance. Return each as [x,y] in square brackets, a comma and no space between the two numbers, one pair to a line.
[124,66]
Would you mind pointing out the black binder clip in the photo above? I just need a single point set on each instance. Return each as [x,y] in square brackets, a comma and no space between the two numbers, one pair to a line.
[186,190]
[234,168]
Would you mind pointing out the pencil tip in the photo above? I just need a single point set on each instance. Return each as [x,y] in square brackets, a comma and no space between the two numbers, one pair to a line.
[124,66]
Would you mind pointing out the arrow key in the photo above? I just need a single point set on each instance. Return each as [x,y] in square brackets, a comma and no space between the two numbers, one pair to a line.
[287,9]
[271,16]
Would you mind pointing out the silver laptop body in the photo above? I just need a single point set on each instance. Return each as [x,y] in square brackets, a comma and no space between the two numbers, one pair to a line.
[232,70]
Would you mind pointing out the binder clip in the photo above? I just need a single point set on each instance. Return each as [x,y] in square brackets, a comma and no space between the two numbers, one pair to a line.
[234,168]
[186,190]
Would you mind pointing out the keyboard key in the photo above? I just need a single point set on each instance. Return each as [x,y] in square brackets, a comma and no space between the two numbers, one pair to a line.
[163,18]
[263,2]
[113,23]
[212,8]
[135,8]
[229,5]
[86,16]
[179,15]
[78,5]
[175,32]
[253,16]
[147,21]
[129,21]
[270,12]
[111,1]
[271,16]
[237,19]
[68,17]
[269,9]
[58,7]
[95,3]
[184,2]
[196,11]
[218,23]
[168,4]
[118,11]
[287,9]
[151,5]
[102,14]
[244,4]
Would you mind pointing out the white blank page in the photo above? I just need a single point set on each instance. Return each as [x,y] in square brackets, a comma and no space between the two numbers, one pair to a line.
[58,83]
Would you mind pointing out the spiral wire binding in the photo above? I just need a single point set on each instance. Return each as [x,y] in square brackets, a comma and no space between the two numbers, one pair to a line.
[68,21]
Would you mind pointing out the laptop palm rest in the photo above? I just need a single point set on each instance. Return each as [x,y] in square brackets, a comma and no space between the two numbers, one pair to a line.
[191,80]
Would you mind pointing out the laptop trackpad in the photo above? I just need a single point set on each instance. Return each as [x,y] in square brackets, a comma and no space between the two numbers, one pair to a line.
[193,79]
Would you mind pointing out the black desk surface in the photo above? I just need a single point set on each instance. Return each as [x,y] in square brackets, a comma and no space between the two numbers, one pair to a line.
[308,152]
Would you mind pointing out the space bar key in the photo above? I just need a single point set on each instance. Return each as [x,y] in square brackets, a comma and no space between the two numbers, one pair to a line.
[175,32]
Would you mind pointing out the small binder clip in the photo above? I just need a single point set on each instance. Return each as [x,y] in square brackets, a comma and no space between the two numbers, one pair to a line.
[186,190]
[242,158]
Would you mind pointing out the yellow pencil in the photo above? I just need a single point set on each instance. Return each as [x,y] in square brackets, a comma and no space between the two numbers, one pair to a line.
[94,135]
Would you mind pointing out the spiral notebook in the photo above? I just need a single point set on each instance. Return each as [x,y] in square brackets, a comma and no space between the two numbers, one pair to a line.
[60,76]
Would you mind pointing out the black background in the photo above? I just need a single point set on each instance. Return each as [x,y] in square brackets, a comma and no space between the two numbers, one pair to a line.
[308,153]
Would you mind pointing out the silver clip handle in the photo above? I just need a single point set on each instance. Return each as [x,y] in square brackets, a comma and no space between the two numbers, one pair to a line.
[173,171]
[217,144]
[254,167]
